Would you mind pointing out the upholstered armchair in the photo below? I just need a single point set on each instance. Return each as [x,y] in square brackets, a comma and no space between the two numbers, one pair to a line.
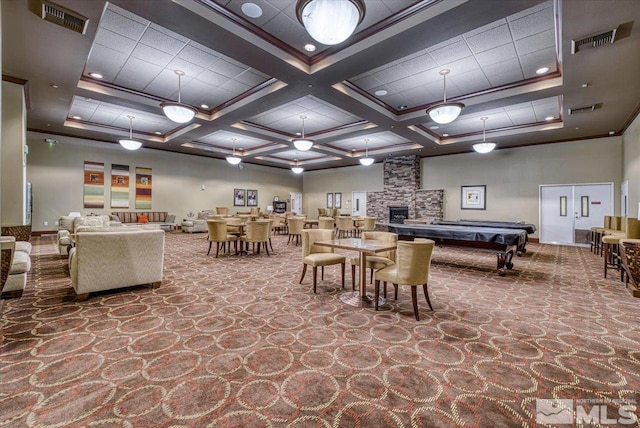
[344,226]
[322,212]
[257,232]
[326,223]
[316,255]
[378,260]
[218,234]
[413,261]
[224,211]
[295,226]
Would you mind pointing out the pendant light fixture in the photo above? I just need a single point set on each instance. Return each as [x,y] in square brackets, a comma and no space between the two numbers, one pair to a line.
[330,21]
[130,143]
[445,112]
[178,112]
[484,147]
[297,169]
[303,144]
[366,160]
[233,159]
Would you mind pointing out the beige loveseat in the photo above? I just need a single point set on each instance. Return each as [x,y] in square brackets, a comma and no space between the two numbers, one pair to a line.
[68,227]
[199,224]
[114,258]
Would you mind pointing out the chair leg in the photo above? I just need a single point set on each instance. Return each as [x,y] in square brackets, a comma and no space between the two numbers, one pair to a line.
[270,244]
[385,289]
[371,280]
[353,277]
[315,278]
[304,270]
[322,274]
[266,248]
[414,299]
[426,294]
[343,266]
[376,294]
[395,296]
[217,249]
[210,242]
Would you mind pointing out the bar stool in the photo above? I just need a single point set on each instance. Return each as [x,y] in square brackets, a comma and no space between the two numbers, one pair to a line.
[610,252]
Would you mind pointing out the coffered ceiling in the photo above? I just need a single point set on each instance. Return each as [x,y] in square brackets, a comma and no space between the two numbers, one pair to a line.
[251,79]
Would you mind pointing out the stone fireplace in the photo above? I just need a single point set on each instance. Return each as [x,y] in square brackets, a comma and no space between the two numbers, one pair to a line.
[398,214]
[401,188]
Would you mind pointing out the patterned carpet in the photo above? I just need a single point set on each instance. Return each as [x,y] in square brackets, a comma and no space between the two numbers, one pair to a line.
[236,341]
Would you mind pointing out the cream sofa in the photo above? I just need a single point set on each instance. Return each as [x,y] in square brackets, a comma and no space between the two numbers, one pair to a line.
[19,267]
[199,224]
[68,227]
[114,258]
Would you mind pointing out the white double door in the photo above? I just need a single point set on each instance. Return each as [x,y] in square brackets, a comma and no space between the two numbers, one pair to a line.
[568,212]
[359,206]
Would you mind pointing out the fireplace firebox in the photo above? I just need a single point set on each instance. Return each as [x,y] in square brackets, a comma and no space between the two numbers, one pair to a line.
[398,214]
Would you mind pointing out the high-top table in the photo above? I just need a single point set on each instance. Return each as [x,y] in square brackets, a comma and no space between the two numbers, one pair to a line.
[360,298]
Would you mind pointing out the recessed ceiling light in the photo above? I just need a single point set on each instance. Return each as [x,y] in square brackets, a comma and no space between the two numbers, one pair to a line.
[252,10]
[53,85]
[445,135]
[612,132]
[584,85]
[380,93]
[95,75]
[434,127]
[309,47]
[549,118]
[542,70]
[204,106]
[76,117]
[402,107]
[158,133]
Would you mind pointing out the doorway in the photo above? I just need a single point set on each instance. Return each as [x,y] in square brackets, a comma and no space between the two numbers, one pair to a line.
[359,206]
[296,202]
[569,211]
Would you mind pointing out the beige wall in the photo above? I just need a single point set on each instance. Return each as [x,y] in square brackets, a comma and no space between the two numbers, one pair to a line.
[316,185]
[631,167]
[513,176]
[14,117]
[56,173]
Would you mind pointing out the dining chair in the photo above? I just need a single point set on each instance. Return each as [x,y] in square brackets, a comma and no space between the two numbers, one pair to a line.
[375,261]
[326,223]
[257,232]
[366,224]
[224,211]
[296,225]
[413,261]
[233,225]
[344,226]
[218,233]
[315,255]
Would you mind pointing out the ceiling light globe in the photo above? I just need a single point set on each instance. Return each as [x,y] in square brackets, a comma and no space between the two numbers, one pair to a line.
[484,147]
[233,160]
[445,112]
[130,144]
[178,112]
[366,161]
[303,144]
[330,21]
[297,169]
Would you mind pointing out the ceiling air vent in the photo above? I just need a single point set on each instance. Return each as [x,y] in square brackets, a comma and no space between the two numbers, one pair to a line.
[593,41]
[585,109]
[61,16]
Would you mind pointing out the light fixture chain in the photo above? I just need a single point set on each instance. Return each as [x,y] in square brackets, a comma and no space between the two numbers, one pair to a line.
[179,87]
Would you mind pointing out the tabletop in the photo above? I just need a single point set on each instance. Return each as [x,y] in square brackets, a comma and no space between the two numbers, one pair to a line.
[369,246]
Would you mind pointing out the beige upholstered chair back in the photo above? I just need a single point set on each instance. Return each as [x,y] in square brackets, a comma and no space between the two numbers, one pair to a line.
[344,222]
[632,228]
[233,221]
[215,217]
[413,261]
[296,224]
[607,222]
[217,230]
[257,231]
[382,236]
[277,221]
[222,210]
[616,223]
[326,223]
[334,212]
[309,237]
[322,212]
[368,223]
[255,211]
[244,217]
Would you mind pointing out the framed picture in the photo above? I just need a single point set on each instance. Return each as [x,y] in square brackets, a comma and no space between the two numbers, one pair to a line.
[337,200]
[473,197]
[239,197]
[252,198]
[329,200]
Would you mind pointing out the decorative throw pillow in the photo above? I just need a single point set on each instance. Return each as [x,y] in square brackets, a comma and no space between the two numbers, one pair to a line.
[143,219]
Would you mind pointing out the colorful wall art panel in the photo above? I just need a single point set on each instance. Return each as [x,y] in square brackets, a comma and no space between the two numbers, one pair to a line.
[143,188]
[93,184]
[119,186]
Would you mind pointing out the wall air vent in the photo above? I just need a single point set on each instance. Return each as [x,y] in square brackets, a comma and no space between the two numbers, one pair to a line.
[585,109]
[59,15]
[594,41]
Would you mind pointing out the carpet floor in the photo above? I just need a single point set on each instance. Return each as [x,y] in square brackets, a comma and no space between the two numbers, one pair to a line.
[236,341]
